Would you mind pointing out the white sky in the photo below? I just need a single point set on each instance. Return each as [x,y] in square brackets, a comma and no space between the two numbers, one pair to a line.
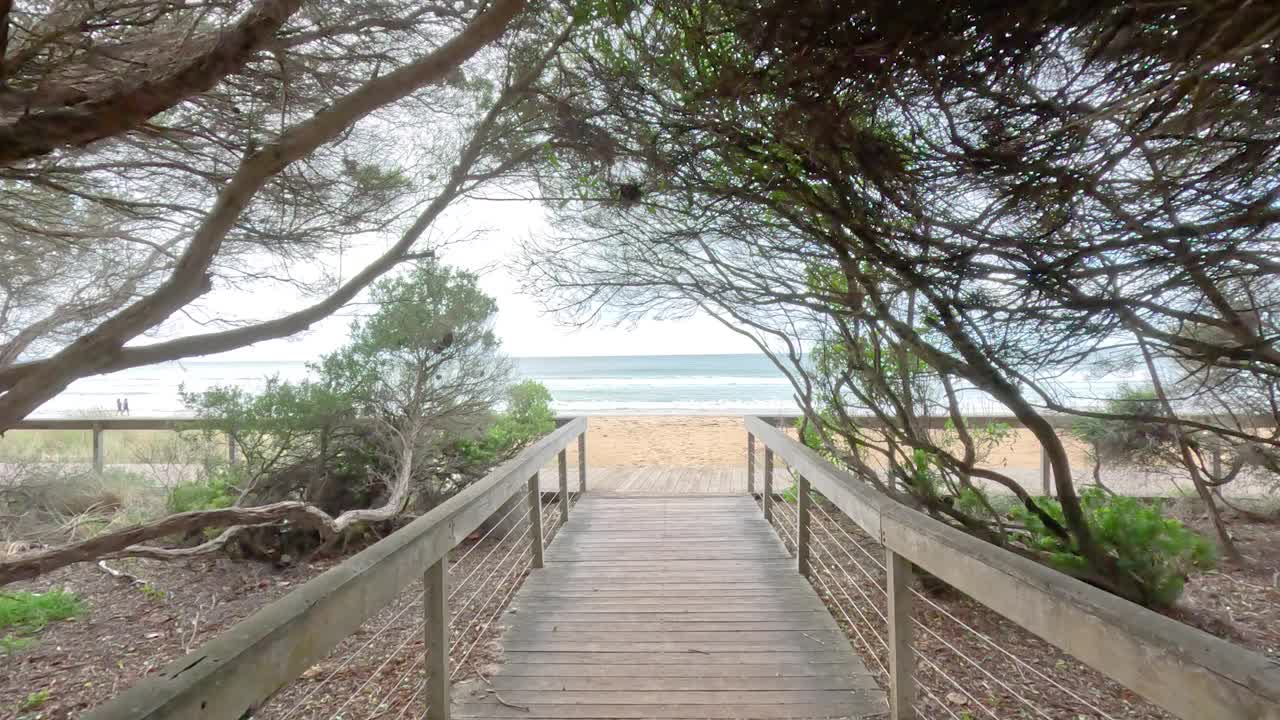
[524,329]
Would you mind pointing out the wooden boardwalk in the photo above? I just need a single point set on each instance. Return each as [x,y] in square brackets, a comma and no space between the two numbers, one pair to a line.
[657,480]
[672,607]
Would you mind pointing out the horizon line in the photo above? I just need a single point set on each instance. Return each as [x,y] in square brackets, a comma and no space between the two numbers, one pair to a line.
[514,356]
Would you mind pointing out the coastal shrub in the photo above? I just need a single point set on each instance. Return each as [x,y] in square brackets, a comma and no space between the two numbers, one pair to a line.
[526,417]
[1157,552]
[216,488]
[1126,442]
[421,381]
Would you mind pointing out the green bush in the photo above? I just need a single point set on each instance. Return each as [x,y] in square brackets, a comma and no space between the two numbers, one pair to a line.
[27,613]
[1156,551]
[1127,442]
[527,417]
[216,489]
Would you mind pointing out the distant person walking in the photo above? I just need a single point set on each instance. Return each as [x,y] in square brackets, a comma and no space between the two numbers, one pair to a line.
[126,406]
[119,407]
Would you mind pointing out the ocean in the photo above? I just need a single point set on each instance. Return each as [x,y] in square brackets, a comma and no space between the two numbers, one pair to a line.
[622,385]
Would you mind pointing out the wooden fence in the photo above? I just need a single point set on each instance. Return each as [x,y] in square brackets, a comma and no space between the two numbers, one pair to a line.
[1189,673]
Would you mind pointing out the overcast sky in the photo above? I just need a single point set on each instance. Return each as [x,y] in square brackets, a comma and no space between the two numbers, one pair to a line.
[524,329]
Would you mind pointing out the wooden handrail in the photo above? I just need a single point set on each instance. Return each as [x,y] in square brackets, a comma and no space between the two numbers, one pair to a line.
[1188,672]
[1059,421]
[232,674]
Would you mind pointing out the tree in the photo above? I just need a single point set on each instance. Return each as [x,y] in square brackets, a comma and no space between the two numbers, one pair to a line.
[153,151]
[400,418]
[975,199]
[1114,442]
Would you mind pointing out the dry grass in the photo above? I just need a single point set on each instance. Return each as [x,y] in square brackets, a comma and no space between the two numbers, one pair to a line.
[50,504]
[119,446]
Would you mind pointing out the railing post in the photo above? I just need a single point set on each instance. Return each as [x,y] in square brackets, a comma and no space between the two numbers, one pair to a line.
[564,486]
[902,691]
[802,525]
[1046,476]
[436,619]
[751,464]
[768,484]
[582,462]
[535,519]
[99,452]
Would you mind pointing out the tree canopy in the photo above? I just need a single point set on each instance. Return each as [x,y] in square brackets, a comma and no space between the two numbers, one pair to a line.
[150,151]
[904,208]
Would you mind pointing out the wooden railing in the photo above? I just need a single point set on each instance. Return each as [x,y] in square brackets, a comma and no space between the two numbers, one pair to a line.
[100,426]
[231,675]
[1189,673]
[1059,422]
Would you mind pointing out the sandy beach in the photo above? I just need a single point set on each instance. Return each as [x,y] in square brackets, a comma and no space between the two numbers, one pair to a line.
[717,444]
[691,441]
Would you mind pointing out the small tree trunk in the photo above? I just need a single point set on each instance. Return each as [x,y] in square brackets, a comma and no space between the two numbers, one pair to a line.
[1229,548]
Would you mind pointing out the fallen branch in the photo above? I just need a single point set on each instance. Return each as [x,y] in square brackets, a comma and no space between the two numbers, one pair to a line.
[126,542]
[504,703]
[119,574]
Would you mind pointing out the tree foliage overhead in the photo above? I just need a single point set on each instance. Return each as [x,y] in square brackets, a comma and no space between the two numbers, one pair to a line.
[908,207]
[152,151]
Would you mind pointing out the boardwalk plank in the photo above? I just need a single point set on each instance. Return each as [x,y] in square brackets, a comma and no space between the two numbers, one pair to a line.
[672,607]
[689,681]
[863,705]
[686,670]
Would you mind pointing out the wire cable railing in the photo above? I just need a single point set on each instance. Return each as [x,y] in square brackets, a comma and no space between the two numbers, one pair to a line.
[787,523]
[375,636]
[473,621]
[987,634]
[476,602]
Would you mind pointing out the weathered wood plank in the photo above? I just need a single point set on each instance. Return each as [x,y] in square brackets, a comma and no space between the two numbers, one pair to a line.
[655,592]
[649,658]
[639,639]
[801,617]
[703,648]
[688,607]
[596,589]
[681,697]
[584,623]
[689,680]
[686,670]
[861,704]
